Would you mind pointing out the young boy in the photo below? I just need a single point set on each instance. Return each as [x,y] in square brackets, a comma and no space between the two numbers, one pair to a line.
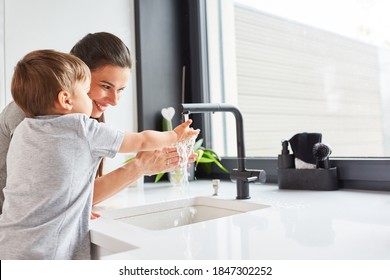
[53,157]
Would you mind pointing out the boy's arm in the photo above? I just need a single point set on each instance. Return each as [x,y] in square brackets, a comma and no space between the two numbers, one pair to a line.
[147,140]
[151,140]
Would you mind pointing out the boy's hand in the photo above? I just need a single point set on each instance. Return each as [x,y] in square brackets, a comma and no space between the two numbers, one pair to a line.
[185,132]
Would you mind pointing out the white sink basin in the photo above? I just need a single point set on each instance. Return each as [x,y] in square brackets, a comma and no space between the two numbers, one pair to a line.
[170,214]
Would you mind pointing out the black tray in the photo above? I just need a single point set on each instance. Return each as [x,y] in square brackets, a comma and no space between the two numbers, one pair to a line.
[308,179]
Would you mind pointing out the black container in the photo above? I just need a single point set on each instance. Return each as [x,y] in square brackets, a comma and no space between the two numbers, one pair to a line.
[308,179]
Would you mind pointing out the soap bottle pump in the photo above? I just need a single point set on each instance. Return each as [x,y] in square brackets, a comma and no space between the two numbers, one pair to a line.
[285,159]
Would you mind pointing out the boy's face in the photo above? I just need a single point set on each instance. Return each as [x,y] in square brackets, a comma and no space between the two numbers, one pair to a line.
[81,101]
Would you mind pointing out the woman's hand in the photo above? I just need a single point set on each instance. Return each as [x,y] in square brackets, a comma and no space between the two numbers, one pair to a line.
[94,216]
[192,157]
[158,161]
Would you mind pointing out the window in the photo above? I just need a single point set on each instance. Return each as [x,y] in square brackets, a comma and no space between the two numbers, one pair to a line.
[296,66]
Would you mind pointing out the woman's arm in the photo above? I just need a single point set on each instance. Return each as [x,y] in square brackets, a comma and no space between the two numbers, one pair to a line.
[145,163]
[113,182]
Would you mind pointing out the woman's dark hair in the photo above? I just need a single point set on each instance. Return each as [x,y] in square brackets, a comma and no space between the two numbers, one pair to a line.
[101,49]
[98,50]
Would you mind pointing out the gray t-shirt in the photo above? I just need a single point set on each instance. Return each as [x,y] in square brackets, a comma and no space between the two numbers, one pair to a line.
[51,166]
[10,117]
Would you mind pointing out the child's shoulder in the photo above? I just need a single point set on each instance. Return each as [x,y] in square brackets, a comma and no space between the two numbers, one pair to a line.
[68,118]
[68,121]
[80,119]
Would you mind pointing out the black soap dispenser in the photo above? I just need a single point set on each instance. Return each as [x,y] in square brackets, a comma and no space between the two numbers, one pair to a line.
[285,159]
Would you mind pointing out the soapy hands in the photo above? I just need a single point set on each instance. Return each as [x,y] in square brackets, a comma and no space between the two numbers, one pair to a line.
[185,132]
[160,161]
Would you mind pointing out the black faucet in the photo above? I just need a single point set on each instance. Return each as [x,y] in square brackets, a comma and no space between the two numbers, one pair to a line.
[241,175]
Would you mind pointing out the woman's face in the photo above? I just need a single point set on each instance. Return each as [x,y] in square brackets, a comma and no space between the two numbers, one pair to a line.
[107,85]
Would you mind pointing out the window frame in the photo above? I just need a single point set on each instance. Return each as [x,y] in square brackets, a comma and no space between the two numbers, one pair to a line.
[353,172]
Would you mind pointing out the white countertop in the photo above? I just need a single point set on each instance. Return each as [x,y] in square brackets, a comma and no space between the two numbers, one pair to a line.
[334,225]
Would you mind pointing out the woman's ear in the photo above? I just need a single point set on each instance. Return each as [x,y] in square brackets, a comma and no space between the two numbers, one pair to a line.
[65,100]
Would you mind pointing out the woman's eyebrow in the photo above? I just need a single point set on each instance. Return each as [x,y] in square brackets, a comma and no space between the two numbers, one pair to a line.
[108,83]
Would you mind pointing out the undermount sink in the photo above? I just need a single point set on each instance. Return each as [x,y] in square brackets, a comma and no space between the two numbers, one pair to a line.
[170,214]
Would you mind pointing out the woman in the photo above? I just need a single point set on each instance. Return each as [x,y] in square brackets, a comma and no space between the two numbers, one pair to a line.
[110,63]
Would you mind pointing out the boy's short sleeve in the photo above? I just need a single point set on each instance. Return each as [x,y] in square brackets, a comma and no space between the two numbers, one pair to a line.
[103,140]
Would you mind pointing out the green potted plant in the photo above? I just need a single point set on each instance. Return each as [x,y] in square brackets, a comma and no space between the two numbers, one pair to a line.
[207,156]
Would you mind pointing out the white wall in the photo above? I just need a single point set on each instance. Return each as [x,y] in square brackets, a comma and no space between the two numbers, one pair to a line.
[59,24]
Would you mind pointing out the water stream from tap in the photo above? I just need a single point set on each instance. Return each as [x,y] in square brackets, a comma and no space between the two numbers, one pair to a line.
[185,149]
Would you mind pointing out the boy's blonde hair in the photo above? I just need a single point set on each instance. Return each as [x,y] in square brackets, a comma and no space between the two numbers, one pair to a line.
[41,75]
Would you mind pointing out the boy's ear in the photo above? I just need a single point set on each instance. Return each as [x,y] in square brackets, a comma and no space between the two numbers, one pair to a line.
[65,100]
